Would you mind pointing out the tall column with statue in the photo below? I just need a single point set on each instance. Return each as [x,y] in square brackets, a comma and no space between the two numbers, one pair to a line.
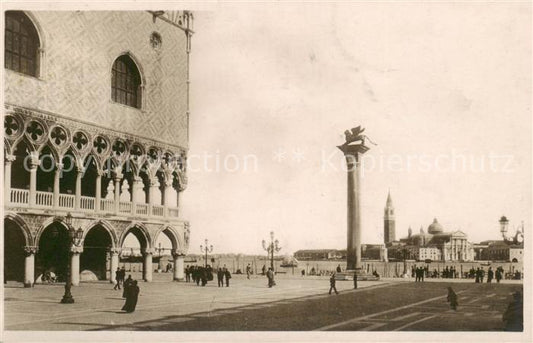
[353,148]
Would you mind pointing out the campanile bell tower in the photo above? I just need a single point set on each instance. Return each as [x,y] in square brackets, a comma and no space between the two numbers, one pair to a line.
[389,222]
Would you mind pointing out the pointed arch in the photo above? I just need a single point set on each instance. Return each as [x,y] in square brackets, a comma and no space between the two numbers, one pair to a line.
[53,150]
[49,221]
[21,26]
[107,226]
[139,230]
[17,219]
[38,29]
[127,81]
[172,234]
[135,60]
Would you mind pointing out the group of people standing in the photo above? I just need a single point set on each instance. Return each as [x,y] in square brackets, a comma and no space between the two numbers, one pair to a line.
[419,274]
[223,273]
[200,274]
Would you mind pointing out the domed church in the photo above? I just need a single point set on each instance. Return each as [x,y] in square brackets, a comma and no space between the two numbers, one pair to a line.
[436,244]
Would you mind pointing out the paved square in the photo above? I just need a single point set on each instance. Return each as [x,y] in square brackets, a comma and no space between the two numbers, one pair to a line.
[294,304]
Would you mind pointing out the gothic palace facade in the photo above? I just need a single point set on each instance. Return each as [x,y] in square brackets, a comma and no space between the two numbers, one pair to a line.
[96,126]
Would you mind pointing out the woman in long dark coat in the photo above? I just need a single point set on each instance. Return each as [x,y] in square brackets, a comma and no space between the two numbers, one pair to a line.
[132,294]
[126,285]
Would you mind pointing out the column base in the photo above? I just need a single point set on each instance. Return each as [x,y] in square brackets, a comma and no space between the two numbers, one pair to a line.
[67,300]
[179,279]
[362,275]
[28,285]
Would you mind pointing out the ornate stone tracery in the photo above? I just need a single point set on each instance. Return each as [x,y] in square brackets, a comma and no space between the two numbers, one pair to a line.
[61,135]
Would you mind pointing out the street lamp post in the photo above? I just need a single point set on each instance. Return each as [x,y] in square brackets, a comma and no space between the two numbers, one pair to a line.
[272,247]
[207,249]
[405,253]
[75,239]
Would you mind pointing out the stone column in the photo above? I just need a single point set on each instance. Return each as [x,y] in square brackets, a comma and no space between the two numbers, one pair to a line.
[114,253]
[75,265]
[167,196]
[98,191]
[34,163]
[154,193]
[57,180]
[178,266]
[147,265]
[353,155]
[117,179]
[77,198]
[29,265]
[136,189]
[7,178]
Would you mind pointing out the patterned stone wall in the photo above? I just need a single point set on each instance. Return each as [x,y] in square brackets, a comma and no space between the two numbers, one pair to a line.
[79,50]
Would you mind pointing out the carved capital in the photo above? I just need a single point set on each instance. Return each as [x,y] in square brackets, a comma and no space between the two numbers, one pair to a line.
[33,160]
[114,251]
[76,249]
[149,251]
[30,250]
[9,158]
[178,253]
[182,181]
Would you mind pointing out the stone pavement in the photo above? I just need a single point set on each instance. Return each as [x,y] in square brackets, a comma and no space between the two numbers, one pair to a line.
[98,306]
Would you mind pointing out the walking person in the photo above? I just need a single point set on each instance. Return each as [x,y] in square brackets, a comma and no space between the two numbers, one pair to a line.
[122,275]
[227,275]
[220,277]
[117,279]
[263,269]
[132,295]
[452,299]
[332,284]
[248,271]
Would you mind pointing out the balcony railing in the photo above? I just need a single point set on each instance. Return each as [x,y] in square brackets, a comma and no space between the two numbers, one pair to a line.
[124,207]
[107,205]
[66,201]
[87,203]
[21,197]
[44,199]
[158,210]
[141,209]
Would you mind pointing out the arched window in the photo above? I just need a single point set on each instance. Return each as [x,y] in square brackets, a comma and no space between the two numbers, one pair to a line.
[126,82]
[21,44]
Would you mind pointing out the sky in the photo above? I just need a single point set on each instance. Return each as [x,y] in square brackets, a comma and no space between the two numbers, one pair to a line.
[443,89]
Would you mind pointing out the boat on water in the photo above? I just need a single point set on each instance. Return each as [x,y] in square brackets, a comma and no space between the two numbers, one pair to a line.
[289,261]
